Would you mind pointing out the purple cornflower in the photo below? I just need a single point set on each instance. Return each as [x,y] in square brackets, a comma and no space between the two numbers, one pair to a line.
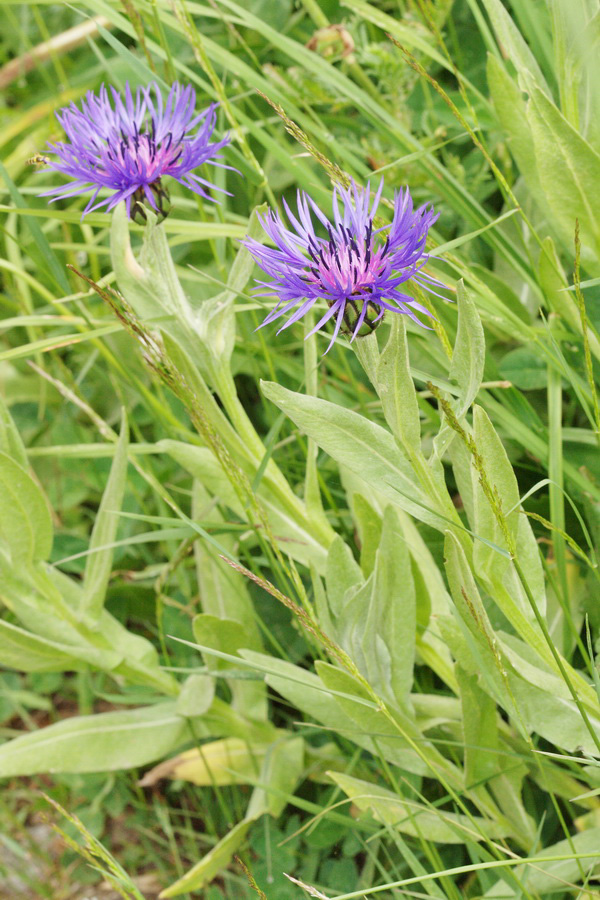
[127,144]
[357,269]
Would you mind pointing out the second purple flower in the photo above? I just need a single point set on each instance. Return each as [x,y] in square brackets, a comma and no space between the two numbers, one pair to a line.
[356,268]
[128,143]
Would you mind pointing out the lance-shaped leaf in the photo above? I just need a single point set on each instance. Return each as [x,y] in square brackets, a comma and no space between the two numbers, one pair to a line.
[515,46]
[230,760]
[229,635]
[98,566]
[511,110]
[468,355]
[25,523]
[150,285]
[376,622]
[488,563]
[396,388]
[363,446]
[401,741]
[414,818]
[547,878]
[101,743]
[567,166]
[27,652]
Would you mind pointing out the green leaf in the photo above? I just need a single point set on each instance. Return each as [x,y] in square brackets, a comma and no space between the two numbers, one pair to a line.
[377,624]
[488,563]
[555,286]
[396,389]
[487,761]
[432,598]
[551,877]
[405,31]
[224,592]
[150,285]
[343,573]
[277,16]
[196,697]
[231,621]
[468,360]
[396,743]
[214,319]
[363,446]
[243,264]
[306,691]
[225,635]
[568,168]
[480,729]
[468,236]
[468,356]
[479,651]
[414,818]
[510,670]
[206,332]
[393,617]
[57,341]
[54,268]
[191,229]
[526,369]
[512,113]
[211,864]
[26,652]
[368,523]
[99,563]
[514,45]
[545,703]
[25,522]
[47,603]
[338,702]
[101,743]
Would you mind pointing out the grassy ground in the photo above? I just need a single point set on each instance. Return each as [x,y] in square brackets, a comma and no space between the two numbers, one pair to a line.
[489,111]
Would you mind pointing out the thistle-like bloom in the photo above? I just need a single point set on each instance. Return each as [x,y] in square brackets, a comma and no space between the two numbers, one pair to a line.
[356,268]
[128,144]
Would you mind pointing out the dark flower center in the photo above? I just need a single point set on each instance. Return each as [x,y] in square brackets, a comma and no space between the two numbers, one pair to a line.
[346,263]
[140,154]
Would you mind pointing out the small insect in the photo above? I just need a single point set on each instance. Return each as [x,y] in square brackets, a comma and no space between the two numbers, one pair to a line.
[37,160]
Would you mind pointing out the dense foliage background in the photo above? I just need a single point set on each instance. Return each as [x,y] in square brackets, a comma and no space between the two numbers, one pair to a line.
[406,695]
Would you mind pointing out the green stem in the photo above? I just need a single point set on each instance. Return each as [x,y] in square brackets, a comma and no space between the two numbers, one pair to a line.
[316,13]
[312,494]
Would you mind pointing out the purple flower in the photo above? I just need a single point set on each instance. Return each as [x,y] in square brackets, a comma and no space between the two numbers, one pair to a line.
[127,144]
[357,269]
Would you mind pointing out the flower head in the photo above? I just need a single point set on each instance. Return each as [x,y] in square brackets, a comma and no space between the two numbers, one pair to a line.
[127,144]
[356,268]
